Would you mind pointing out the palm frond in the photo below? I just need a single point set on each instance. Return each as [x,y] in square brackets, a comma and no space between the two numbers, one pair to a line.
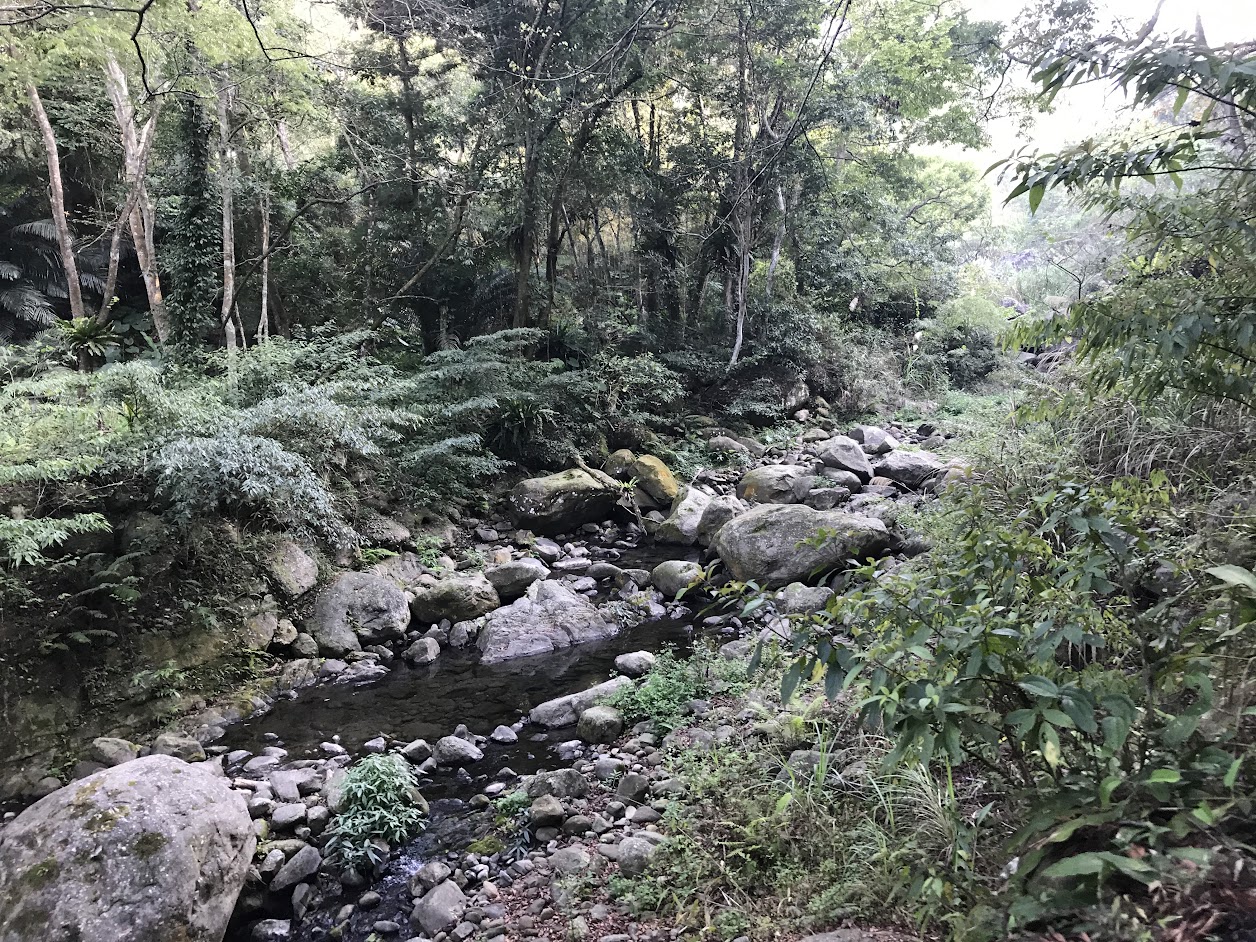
[43,229]
[28,304]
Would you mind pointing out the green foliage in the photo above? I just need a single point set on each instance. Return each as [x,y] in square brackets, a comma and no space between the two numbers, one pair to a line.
[663,696]
[1060,640]
[379,801]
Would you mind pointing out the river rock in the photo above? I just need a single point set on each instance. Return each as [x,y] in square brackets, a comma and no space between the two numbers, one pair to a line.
[109,751]
[619,463]
[826,498]
[357,606]
[454,751]
[511,580]
[873,440]
[179,746]
[600,724]
[300,866]
[153,849]
[457,596]
[681,524]
[549,617]
[769,544]
[776,484]
[799,599]
[442,908]
[292,568]
[672,575]
[718,512]
[546,812]
[845,454]
[271,930]
[564,711]
[422,651]
[634,856]
[562,502]
[635,663]
[911,469]
[726,444]
[655,478]
[561,783]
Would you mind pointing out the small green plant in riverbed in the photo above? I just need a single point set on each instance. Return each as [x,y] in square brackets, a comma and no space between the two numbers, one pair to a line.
[662,696]
[380,803]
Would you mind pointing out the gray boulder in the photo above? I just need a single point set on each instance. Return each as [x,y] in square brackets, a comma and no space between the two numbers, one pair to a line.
[422,651]
[600,724]
[110,751]
[718,512]
[152,849]
[549,617]
[725,443]
[911,469]
[564,711]
[845,454]
[511,580]
[634,856]
[179,746]
[774,544]
[799,599]
[563,501]
[672,575]
[453,751]
[875,441]
[776,484]
[635,663]
[442,908]
[292,568]
[826,498]
[457,596]
[357,606]
[681,524]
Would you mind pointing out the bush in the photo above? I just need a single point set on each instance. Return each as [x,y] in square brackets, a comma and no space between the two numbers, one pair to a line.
[665,692]
[379,802]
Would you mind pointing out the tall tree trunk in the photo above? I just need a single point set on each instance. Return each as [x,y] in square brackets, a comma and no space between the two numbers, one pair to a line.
[56,197]
[226,186]
[525,244]
[408,113]
[263,317]
[778,242]
[136,146]
[743,213]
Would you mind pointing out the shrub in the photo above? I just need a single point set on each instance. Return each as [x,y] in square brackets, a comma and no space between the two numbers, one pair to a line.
[665,692]
[379,802]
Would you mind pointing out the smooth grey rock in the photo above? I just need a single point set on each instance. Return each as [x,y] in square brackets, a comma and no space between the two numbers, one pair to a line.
[570,860]
[300,866]
[911,469]
[845,454]
[292,568]
[561,783]
[458,596]
[776,484]
[718,512]
[417,751]
[110,751]
[873,440]
[635,663]
[511,580]
[562,502]
[634,856]
[546,812]
[152,849]
[799,599]
[442,908]
[673,575]
[422,651]
[775,544]
[179,746]
[549,617]
[453,751]
[504,734]
[600,724]
[680,526]
[565,711]
[357,606]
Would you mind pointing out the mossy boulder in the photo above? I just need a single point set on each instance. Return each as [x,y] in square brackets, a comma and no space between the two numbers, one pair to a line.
[655,478]
[563,501]
[152,849]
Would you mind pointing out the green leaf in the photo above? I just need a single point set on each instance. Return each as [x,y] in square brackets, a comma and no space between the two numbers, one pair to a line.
[1164,776]
[1079,865]
[1235,576]
[1038,686]
[1036,193]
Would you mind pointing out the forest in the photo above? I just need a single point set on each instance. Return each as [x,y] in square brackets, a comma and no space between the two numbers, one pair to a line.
[626,470]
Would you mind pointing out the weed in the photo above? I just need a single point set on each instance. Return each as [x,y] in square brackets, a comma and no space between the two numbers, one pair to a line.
[380,803]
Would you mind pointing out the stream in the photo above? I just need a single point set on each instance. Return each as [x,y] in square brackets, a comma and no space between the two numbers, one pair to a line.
[430,702]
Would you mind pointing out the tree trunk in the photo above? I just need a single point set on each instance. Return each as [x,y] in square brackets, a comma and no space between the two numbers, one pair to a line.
[408,114]
[743,203]
[56,197]
[263,318]
[226,186]
[778,242]
[140,214]
[525,246]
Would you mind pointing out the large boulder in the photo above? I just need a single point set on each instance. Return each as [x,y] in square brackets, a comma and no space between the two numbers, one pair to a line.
[152,849]
[717,513]
[563,501]
[357,607]
[911,469]
[512,579]
[458,596]
[442,908]
[776,484]
[549,617]
[681,524]
[776,544]
[292,568]
[672,575]
[845,454]
[873,440]
[655,478]
[564,711]
[619,463]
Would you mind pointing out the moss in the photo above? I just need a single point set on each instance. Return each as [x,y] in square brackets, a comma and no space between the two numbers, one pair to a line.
[150,843]
[43,873]
[489,844]
[105,820]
